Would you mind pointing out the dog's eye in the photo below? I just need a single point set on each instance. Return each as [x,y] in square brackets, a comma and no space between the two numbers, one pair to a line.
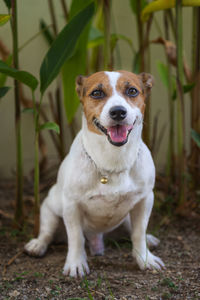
[97,94]
[132,92]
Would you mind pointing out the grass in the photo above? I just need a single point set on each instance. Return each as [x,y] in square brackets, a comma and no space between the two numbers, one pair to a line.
[92,287]
[38,274]
[168,283]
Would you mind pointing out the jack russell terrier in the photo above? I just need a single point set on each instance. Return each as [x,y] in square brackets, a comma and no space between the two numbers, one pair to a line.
[108,176]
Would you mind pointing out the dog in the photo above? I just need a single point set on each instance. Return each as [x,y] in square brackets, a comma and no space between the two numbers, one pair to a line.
[108,176]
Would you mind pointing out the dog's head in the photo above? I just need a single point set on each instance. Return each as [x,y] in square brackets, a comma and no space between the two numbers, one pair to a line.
[114,102]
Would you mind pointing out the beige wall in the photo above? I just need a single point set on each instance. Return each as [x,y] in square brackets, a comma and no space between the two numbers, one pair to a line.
[29,14]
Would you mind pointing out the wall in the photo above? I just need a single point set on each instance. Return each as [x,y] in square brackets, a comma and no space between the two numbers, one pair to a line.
[30,57]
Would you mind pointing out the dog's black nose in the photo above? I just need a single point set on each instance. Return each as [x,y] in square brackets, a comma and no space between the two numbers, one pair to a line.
[118,113]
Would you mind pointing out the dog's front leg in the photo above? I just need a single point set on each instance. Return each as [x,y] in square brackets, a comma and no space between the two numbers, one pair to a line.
[76,261]
[139,218]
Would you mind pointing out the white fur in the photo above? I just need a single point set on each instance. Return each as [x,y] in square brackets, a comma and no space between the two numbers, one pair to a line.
[89,207]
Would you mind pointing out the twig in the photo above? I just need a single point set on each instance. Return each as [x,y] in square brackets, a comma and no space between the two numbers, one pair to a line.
[33,38]
[19,210]
[155,132]
[53,17]
[52,107]
[98,293]
[64,6]
[11,261]
[6,215]
[160,138]
[4,51]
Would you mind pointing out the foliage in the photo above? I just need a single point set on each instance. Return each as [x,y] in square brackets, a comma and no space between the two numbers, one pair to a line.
[23,76]
[88,44]
[4,19]
[3,91]
[196,137]
[158,5]
[76,64]
[61,50]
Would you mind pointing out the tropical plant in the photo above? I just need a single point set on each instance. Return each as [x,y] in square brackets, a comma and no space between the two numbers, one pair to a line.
[59,52]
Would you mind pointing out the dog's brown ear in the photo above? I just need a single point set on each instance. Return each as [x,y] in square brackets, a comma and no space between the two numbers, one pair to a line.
[79,85]
[147,82]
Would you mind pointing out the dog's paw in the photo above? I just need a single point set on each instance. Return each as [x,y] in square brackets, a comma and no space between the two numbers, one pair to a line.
[152,241]
[76,268]
[35,247]
[149,261]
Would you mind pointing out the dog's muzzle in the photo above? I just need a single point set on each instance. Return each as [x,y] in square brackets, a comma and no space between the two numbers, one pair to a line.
[117,134]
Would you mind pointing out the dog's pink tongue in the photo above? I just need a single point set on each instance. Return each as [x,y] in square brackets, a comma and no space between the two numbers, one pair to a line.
[118,133]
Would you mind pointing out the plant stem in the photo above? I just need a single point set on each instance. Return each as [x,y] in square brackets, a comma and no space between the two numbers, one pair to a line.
[37,169]
[195,109]
[60,122]
[97,59]
[58,89]
[65,10]
[53,17]
[19,213]
[140,31]
[106,14]
[170,154]
[143,43]
[32,38]
[180,106]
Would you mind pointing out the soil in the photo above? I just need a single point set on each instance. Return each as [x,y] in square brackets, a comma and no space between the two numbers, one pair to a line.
[113,276]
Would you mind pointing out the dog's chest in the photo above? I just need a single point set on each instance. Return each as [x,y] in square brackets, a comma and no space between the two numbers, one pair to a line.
[102,212]
[107,205]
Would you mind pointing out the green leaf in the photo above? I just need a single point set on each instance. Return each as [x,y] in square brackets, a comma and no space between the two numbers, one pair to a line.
[75,66]
[70,71]
[4,90]
[115,37]
[196,137]
[186,89]
[46,32]
[7,3]
[77,6]
[28,110]
[3,77]
[22,76]
[4,19]
[50,126]
[63,46]
[95,38]
[134,5]
[163,72]
[94,34]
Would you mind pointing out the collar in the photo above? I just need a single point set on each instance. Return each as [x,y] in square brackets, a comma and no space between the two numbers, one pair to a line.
[104,175]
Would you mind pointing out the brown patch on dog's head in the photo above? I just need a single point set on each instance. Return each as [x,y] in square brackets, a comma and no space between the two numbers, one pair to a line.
[142,82]
[93,107]
[147,81]
[99,81]
[79,85]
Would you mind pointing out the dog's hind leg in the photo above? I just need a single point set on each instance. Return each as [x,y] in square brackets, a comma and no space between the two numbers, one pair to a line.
[48,225]
[96,244]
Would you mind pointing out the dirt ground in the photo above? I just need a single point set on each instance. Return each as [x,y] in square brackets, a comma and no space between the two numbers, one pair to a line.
[113,276]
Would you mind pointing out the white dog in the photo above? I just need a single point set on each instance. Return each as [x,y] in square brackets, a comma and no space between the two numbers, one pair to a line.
[107,177]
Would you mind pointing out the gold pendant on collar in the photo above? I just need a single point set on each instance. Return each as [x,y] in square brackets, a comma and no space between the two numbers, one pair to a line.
[104,179]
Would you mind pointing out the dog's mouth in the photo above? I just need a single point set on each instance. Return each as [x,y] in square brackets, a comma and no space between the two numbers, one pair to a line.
[117,134]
